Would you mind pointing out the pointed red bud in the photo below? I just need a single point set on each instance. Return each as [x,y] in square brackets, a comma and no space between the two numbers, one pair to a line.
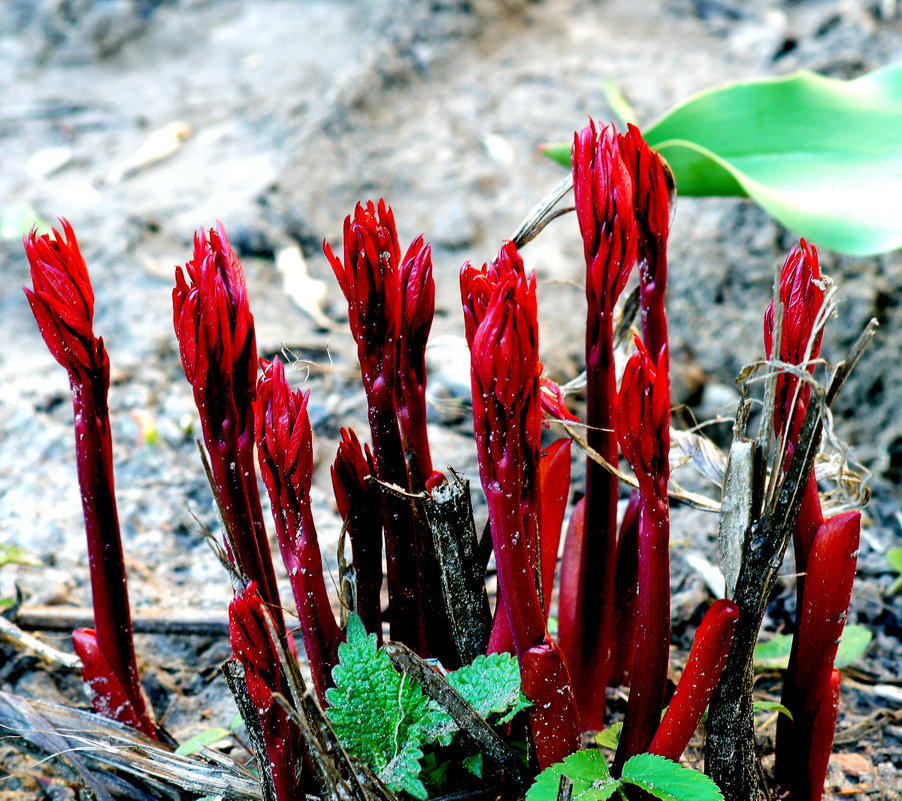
[643,408]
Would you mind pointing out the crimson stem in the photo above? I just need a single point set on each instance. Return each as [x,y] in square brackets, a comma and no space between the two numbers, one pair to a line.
[285,450]
[62,301]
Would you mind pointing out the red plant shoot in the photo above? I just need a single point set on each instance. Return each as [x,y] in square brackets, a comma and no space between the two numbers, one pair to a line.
[707,660]
[218,348]
[253,645]
[360,506]
[644,433]
[507,421]
[285,450]
[603,191]
[62,301]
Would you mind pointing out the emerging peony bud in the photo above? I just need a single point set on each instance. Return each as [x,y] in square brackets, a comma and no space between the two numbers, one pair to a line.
[251,630]
[285,450]
[63,304]
[802,296]
[218,346]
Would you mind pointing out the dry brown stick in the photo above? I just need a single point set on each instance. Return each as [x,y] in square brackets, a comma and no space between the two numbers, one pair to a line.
[144,621]
[468,719]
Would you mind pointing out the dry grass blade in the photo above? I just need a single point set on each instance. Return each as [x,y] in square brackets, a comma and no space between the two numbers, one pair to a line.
[543,213]
[80,738]
[674,491]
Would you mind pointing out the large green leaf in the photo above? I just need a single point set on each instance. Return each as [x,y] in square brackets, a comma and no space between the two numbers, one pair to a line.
[669,780]
[823,156]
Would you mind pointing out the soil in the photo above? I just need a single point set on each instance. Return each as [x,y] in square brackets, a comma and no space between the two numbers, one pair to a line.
[276,117]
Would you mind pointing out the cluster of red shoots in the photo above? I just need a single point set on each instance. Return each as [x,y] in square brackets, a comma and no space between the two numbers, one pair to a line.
[614,612]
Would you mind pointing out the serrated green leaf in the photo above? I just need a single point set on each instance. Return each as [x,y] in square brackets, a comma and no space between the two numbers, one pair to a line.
[402,773]
[774,653]
[377,713]
[204,738]
[855,641]
[769,706]
[586,769]
[669,780]
[491,685]
[609,737]
[822,156]
[14,555]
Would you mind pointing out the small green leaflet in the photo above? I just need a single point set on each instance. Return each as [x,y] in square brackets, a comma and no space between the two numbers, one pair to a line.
[894,558]
[385,719]
[14,555]
[669,780]
[592,781]
[822,156]
[203,738]
[586,769]
[609,737]
[775,652]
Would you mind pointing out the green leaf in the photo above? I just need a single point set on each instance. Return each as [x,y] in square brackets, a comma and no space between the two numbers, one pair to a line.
[774,653]
[769,706]
[204,738]
[669,780]
[609,737]
[237,722]
[474,764]
[7,603]
[491,685]
[855,641]
[586,769]
[823,156]
[377,713]
[894,558]
[14,555]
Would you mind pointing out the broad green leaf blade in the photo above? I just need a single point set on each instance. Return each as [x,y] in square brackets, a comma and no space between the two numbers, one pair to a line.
[774,653]
[14,555]
[588,772]
[823,156]
[855,641]
[668,780]
[376,712]
[208,737]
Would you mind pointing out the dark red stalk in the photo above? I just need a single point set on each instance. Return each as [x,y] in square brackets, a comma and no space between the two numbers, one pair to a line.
[360,506]
[62,301]
[253,645]
[417,292]
[706,662]
[369,279]
[828,591]
[603,192]
[626,594]
[218,346]
[507,422]
[652,204]
[285,450]
[644,432]
[554,491]
[822,732]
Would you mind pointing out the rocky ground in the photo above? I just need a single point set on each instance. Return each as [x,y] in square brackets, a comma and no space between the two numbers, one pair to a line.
[140,120]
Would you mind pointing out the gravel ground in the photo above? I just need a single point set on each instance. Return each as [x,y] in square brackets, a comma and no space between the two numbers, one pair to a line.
[281,115]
